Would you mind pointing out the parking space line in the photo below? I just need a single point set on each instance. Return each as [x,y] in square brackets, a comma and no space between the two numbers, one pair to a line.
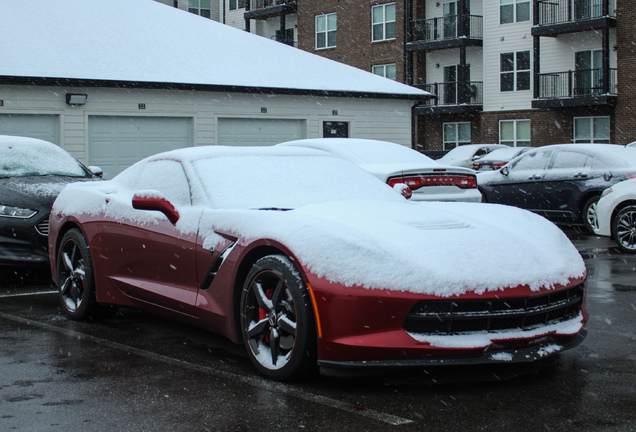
[253,381]
[27,294]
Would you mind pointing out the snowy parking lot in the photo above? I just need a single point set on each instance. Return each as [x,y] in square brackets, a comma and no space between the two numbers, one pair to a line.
[140,372]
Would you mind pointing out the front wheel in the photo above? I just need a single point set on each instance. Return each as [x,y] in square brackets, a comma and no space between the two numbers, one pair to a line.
[277,320]
[75,277]
[624,229]
[590,221]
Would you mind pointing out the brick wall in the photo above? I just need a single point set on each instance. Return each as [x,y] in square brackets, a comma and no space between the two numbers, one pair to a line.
[354,45]
[625,131]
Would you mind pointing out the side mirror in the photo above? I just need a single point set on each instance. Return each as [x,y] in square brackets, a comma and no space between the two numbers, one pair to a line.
[96,171]
[505,171]
[154,200]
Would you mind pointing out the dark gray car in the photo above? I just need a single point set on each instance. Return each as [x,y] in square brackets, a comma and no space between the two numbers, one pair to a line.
[32,174]
[561,182]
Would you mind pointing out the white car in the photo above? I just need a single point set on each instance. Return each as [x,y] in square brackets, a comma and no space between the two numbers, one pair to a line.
[396,164]
[498,158]
[616,215]
[465,155]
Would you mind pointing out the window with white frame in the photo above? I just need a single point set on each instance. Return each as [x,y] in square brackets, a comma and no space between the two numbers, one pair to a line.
[199,7]
[514,133]
[383,22]
[326,35]
[237,4]
[456,134]
[387,70]
[511,11]
[592,130]
[514,71]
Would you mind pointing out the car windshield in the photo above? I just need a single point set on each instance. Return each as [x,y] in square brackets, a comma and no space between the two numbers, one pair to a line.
[37,159]
[285,181]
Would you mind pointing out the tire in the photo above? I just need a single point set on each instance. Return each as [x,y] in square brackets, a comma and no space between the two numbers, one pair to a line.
[624,229]
[588,214]
[277,320]
[76,279]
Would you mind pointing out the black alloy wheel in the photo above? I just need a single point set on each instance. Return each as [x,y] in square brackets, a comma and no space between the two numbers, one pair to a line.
[75,276]
[624,229]
[277,320]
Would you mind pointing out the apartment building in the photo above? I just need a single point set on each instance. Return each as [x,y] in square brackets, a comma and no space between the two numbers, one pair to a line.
[517,72]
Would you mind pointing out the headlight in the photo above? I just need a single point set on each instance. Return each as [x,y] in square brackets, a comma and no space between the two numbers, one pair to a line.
[606,192]
[16,212]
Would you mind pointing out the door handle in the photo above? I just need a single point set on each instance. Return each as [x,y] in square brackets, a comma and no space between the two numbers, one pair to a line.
[534,177]
[580,175]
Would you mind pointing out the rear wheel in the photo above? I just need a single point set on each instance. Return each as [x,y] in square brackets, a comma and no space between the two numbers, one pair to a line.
[75,276]
[624,229]
[589,214]
[277,320]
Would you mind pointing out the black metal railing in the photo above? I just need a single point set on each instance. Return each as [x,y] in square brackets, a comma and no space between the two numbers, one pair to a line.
[261,4]
[579,83]
[455,93]
[448,27]
[563,11]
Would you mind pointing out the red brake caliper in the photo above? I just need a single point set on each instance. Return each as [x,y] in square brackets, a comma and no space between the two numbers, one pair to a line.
[262,313]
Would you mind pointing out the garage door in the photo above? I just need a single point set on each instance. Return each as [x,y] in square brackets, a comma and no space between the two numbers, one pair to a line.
[259,132]
[115,142]
[46,127]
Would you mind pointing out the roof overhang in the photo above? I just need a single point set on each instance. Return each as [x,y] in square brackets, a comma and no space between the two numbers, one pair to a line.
[79,82]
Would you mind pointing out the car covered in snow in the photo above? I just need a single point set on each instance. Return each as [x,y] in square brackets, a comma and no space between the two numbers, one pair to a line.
[465,155]
[498,158]
[312,262]
[32,174]
[616,215]
[562,182]
[396,164]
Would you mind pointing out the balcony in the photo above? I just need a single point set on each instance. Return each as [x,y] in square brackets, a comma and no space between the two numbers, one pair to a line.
[452,98]
[263,9]
[553,17]
[576,88]
[446,32]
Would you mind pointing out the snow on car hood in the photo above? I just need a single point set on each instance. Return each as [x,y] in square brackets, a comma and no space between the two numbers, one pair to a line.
[441,249]
[434,248]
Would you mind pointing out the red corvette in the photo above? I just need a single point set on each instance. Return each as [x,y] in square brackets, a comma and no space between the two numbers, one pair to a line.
[312,262]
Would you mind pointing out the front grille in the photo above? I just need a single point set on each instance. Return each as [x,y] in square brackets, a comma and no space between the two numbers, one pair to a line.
[42,227]
[437,317]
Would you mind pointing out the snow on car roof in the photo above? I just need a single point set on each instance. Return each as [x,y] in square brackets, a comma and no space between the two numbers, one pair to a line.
[340,233]
[21,156]
[366,151]
[145,41]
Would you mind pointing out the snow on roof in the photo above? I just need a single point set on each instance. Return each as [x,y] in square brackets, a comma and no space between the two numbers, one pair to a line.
[148,42]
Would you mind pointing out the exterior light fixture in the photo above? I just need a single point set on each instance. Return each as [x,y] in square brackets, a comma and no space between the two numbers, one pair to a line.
[76,99]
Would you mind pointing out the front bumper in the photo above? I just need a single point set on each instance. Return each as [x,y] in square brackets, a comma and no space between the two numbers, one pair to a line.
[494,356]
[23,242]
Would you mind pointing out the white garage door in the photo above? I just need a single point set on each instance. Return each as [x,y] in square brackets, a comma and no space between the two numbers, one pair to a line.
[259,132]
[115,142]
[46,127]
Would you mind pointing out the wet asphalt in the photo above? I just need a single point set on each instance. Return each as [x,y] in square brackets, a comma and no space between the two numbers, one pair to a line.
[138,372]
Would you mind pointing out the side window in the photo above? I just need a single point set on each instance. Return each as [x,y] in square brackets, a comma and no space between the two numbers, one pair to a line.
[533,160]
[167,177]
[570,159]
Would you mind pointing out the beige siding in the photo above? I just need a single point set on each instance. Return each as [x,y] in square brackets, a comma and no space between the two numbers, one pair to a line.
[369,118]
